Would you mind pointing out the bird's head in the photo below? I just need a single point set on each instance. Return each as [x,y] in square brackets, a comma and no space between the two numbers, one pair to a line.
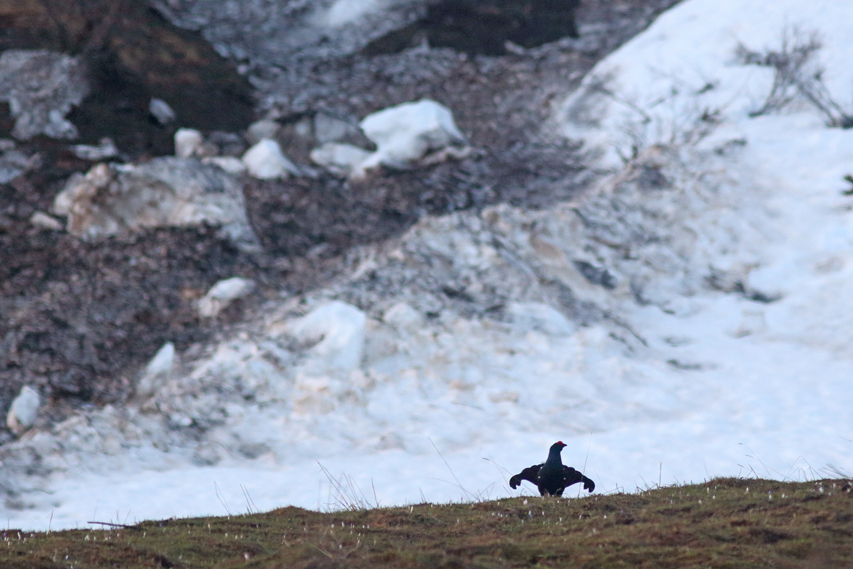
[558,446]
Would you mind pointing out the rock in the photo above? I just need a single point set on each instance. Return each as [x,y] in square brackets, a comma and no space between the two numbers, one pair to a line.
[161,111]
[41,87]
[222,294]
[337,329]
[339,159]
[164,192]
[262,130]
[331,129]
[44,221]
[188,143]
[541,317]
[13,162]
[157,371]
[230,164]
[266,161]
[408,132]
[106,148]
[22,413]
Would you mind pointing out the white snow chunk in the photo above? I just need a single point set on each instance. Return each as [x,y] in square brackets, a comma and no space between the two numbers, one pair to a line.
[188,142]
[230,164]
[106,148]
[266,161]
[222,294]
[339,159]
[541,317]
[338,328]
[407,132]
[157,371]
[161,111]
[22,413]
[43,221]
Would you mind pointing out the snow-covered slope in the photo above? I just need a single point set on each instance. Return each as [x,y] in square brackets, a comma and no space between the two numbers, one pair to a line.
[688,318]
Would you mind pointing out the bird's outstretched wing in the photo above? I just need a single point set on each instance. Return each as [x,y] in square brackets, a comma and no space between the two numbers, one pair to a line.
[530,473]
[572,476]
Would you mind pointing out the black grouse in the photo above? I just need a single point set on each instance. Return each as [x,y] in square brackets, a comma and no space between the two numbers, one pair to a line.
[552,477]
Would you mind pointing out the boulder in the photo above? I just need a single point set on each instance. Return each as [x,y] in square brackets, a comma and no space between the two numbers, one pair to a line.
[266,161]
[222,294]
[409,132]
[41,86]
[22,413]
[167,191]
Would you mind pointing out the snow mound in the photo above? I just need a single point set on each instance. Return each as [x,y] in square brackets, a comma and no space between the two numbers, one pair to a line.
[115,200]
[337,331]
[407,132]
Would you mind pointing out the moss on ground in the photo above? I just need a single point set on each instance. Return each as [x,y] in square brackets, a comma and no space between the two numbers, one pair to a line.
[724,523]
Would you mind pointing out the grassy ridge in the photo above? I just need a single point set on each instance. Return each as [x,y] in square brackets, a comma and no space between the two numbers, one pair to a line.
[731,523]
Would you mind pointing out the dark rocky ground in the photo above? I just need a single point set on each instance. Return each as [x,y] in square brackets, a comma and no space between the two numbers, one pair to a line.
[77,320]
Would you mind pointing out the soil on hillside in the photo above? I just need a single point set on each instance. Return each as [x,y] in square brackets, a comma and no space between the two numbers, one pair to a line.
[722,523]
[79,319]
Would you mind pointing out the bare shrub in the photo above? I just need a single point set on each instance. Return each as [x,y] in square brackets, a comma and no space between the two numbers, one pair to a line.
[797,74]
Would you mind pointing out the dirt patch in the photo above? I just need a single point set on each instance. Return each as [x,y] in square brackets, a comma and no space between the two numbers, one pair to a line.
[483,27]
[133,54]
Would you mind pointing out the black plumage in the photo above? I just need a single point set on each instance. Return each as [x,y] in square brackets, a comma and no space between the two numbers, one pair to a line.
[552,477]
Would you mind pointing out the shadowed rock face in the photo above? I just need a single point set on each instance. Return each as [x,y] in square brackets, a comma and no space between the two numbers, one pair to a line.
[484,27]
[132,54]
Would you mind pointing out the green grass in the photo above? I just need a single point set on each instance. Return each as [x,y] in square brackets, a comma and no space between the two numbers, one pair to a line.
[724,523]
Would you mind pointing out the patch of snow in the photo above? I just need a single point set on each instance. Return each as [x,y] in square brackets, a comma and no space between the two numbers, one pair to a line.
[266,161]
